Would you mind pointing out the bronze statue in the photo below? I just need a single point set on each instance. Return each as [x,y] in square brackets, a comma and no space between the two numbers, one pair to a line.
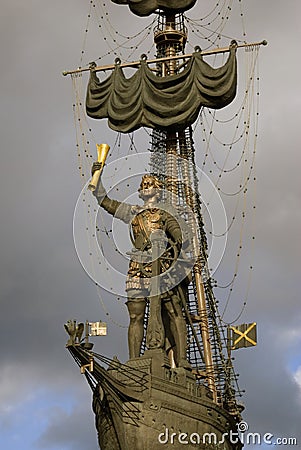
[149,222]
[75,332]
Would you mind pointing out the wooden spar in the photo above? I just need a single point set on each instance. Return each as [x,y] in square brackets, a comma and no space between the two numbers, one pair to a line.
[155,61]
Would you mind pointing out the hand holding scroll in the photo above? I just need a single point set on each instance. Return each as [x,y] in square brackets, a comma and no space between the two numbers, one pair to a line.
[102,153]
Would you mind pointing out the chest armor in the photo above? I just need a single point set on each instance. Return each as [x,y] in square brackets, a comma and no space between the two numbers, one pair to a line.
[144,223]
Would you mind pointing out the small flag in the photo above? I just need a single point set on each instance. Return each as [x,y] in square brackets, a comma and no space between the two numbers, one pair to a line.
[244,335]
[98,329]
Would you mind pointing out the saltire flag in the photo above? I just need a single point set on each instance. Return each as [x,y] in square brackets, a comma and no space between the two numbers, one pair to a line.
[244,335]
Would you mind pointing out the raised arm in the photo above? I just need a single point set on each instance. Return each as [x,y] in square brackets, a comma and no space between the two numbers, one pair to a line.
[120,210]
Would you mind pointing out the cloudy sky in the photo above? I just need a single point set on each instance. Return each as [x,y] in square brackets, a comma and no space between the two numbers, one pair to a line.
[44,401]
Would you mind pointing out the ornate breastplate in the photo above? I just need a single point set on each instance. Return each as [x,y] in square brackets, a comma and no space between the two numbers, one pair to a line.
[146,222]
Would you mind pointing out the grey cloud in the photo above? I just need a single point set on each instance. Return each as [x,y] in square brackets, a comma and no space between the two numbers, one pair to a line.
[72,431]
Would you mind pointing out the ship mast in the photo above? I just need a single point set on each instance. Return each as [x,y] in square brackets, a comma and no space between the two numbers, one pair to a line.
[170,37]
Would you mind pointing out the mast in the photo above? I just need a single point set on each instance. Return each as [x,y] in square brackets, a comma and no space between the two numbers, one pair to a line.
[170,37]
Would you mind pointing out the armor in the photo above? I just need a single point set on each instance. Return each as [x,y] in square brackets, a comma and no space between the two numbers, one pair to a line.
[143,221]
[143,225]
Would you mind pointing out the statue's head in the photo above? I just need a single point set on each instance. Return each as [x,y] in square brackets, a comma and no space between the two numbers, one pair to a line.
[150,186]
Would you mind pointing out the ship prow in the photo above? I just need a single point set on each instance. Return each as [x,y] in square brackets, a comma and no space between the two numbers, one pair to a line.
[145,404]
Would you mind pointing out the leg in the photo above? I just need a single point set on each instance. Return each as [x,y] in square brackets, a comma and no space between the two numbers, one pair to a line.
[177,326]
[136,306]
[170,344]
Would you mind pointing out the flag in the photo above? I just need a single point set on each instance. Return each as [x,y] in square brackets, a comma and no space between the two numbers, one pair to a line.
[244,335]
[98,328]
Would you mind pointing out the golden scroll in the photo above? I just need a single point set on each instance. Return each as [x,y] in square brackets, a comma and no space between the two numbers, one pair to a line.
[102,153]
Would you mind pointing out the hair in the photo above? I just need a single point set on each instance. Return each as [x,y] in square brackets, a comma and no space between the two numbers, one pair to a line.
[158,184]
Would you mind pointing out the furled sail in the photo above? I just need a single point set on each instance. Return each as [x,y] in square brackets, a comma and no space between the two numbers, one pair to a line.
[146,7]
[147,100]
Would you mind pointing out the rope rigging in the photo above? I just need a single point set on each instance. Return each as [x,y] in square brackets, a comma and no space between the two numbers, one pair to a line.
[118,44]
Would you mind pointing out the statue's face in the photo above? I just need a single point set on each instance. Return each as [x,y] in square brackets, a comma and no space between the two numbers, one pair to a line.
[147,188]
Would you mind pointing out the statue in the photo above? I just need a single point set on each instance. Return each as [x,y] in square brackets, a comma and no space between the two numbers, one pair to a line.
[75,332]
[150,223]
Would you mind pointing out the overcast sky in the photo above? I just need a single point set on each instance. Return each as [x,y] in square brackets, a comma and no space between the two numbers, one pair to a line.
[44,401]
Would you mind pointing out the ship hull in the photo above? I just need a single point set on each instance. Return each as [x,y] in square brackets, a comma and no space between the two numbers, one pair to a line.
[152,406]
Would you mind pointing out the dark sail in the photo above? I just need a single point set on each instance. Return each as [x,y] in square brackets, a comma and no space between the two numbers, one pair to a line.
[146,100]
[146,7]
